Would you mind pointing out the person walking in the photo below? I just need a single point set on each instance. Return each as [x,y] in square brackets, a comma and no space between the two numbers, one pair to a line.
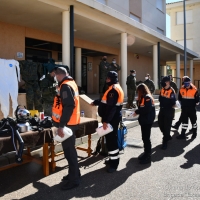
[189,98]
[66,112]
[167,101]
[131,88]
[146,112]
[149,83]
[109,110]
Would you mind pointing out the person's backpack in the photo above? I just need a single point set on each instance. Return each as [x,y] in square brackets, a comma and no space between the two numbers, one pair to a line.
[122,134]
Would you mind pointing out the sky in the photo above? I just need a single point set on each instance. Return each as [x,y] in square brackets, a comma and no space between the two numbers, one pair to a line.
[168,20]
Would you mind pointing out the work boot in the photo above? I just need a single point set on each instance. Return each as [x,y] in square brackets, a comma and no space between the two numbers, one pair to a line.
[69,186]
[66,178]
[111,170]
[143,156]
[146,160]
[181,137]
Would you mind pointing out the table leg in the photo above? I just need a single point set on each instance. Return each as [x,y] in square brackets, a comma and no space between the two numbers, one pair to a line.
[53,163]
[45,159]
[89,145]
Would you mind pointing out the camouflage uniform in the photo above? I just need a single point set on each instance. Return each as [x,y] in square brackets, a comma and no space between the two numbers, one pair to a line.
[150,84]
[131,88]
[48,90]
[174,86]
[103,70]
[114,67]
[29,72]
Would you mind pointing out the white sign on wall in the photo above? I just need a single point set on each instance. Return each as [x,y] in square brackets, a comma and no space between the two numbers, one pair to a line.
[20,55]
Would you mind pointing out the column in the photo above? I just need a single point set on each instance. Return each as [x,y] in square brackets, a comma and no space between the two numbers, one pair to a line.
[155,65]
[124,62]
[191,70]
[178,70]
[78,66]
[164,70]
[66,38]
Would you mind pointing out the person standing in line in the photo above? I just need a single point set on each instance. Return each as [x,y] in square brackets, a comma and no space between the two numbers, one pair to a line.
[109,110]
[173,84]
[131,88]
[146,112]
[66,112]
[189,98]
[104,67]
[114,66]
[149,83]
[167,99]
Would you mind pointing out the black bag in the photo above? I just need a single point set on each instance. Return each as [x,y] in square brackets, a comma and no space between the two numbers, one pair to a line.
[46,123]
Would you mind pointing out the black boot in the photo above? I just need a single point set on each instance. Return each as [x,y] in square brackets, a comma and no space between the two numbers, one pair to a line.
[143,156]
[146,159]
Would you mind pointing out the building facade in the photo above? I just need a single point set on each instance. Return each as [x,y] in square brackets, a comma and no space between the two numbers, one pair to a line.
[126,31]
[175,11]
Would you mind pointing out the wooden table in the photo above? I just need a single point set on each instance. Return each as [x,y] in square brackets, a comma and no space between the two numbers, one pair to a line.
[44,138]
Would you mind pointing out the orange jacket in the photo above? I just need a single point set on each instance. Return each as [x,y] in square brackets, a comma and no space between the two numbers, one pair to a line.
[57,105]
[120,92]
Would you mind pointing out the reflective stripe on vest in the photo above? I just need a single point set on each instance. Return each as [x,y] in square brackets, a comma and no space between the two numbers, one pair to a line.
[57,105]
[120,92]
[188,94]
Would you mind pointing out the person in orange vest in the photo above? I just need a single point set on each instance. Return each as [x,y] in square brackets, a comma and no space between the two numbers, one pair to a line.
[189,98]
[109,110]
[66,112]
[146,112]
[167,99]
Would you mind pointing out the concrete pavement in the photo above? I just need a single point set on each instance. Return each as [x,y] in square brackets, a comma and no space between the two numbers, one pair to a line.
[173,174]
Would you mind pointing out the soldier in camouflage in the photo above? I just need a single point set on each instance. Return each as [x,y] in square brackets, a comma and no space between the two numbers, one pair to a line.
[173,84]
[29,73]
[149,83]
[131,88]
[114,66]
[104,67]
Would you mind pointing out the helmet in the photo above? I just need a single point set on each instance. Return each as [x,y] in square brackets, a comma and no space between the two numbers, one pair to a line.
[22,114]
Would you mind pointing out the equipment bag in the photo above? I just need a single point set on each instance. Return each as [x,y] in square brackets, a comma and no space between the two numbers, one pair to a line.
[122,134]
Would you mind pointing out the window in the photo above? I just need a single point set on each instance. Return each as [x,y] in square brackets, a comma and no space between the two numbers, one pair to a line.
[189,43]
[132,16]
[102,1]
[160,31]
[189,17]
[159,4]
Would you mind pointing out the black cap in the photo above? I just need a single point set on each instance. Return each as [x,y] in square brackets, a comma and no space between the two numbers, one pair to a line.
[165,79]
[132,71]
[186,80]
[113,76]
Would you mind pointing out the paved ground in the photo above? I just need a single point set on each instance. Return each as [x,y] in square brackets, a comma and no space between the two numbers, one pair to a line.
[173,174]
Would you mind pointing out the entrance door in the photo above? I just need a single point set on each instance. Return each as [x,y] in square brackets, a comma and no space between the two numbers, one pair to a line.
[84,73]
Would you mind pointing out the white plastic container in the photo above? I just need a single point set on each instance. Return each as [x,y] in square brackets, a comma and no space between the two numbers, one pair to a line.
[67,133]
[101,132]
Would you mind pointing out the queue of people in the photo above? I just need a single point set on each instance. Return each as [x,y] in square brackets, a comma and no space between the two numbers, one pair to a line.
[66,112]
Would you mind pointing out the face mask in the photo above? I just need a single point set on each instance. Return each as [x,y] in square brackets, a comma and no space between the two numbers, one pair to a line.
[146,78]
[55,79]
[163,84]
[133,74]
[186,85]
[114,62]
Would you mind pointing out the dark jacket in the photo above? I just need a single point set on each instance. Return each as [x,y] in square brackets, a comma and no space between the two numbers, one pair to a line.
[188,97]
[146,110]
[131,82]
[174,86]
[109,112]
[167,98]
[150,84]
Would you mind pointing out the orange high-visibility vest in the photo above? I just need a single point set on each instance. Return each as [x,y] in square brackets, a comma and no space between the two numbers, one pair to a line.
[120,92]
[57,105]
[166,93]
[142,102]
[188,93]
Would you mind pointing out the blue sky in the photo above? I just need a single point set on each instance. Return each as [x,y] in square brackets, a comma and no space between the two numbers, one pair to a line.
[168,20]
